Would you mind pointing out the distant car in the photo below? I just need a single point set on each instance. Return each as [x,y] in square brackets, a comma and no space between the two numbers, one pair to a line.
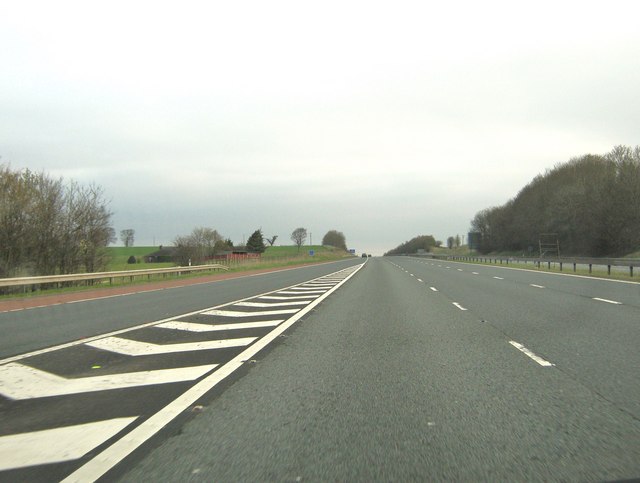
[369,254]
[364,255]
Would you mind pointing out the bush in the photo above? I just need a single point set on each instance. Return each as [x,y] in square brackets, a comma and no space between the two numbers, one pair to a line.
[132,260]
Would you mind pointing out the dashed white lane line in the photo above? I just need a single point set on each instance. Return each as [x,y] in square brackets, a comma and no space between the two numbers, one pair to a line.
[459,306]
[460,270]
[475,273]
[536,286]
[42,447]
[530,354]
[433,289]
[498,278]
[614,302]
[419,280]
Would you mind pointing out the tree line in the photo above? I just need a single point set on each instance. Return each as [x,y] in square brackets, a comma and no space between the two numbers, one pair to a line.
[205,243]
[589,205]
[49,226]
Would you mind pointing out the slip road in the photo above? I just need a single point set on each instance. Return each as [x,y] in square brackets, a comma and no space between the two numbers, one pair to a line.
[404,369]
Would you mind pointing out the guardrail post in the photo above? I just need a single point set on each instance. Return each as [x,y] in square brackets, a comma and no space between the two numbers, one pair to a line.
[574,266]
[548,265]
[631,271]
[590,265]
[561,266]
[608,269]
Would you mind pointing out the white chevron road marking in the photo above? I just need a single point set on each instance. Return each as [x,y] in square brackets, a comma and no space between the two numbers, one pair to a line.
[135,348]
[276,297]
[272,304]
[291,292]
[19,382]
[194,327]
[237,313]
[56,445]
[308,289]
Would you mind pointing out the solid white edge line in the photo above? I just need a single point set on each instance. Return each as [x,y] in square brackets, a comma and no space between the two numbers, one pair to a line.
[530,354]
[156,322]
[111,456]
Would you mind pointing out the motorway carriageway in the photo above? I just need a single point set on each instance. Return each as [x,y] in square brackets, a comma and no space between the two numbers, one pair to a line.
[395,369]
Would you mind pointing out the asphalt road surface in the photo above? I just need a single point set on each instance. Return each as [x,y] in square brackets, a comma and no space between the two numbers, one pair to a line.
[396,370]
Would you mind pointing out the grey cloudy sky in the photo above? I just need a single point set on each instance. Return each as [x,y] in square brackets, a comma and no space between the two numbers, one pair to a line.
[384,120]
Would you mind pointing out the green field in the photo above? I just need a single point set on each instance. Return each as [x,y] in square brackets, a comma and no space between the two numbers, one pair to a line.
[119,256]
[272,257]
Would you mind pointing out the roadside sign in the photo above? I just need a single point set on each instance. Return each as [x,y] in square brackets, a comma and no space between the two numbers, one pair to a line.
[312,253]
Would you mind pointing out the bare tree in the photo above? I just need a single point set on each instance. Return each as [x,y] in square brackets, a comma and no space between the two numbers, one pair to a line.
[127,236]
[299,236]
[199,246]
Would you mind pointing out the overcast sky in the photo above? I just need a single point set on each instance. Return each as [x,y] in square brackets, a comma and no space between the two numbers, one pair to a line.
[383,120]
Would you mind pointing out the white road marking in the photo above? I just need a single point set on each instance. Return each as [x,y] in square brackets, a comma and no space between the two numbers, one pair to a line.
[412,275]
[236,313]
[272,304]
[498,278]
[194,327]
[291,292]
[56,445]
[459,306]
[460,270]
[19,382]
[530,354]
[134,348]
[433,289]
[276,297]
[419,280]
[607,301]
[536,286]
[111,456]
[475,273]
[307,289]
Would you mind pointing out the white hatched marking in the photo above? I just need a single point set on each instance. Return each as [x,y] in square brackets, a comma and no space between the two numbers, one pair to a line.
[272,304]
[288,292]
[276,297]
[19,382]
[530,354]
[236,313]
[119,450]
[194,327]
[135,348]
[607,301]
[308,289]
[56,445]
